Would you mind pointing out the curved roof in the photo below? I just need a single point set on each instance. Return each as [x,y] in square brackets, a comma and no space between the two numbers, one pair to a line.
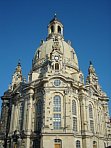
[55,43]
[55,19]
[65,49]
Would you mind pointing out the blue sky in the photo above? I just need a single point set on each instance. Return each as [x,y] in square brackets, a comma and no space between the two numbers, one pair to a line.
[86,23]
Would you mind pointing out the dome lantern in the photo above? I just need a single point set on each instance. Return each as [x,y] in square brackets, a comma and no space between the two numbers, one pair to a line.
[55,28]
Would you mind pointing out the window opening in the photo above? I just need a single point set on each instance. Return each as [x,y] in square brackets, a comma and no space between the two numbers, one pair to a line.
[94,144]
[57,121]
[59,29]
[74,107]
[91,122]
[39,114]
[57,82]
[39,107]
[38,54]
[56,66]
[92,125]
[52,29]
[75,124]
[90,111]
[57,104]
[57,143]
[57,112]
[78,144]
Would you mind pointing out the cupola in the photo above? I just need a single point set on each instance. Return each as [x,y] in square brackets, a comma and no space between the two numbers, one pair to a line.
[55,49]
[55,28]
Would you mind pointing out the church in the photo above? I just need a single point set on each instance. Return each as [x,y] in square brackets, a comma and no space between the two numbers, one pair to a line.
[55,107]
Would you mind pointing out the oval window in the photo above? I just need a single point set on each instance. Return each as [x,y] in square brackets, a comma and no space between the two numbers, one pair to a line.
[57,82]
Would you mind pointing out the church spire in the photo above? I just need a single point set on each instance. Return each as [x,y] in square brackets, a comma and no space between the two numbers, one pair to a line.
[92,77]
[91,69]
[17,76]
[18,68]
[55,28]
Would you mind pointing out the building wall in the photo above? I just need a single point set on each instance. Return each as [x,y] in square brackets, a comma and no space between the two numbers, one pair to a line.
[67,141]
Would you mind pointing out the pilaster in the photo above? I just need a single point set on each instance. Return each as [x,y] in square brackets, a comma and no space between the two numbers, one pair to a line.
[28,123]
[12,119]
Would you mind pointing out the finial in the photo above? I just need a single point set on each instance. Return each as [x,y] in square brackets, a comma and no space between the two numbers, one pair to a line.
[19,63]
[90,62]
[55,15]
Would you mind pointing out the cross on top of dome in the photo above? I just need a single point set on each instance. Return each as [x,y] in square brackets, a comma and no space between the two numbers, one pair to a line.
[54,18]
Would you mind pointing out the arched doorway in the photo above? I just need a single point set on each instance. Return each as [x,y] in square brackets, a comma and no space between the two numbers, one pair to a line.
[94,144]
[57,143]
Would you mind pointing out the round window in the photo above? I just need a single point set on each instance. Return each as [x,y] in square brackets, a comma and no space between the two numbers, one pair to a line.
[57,82]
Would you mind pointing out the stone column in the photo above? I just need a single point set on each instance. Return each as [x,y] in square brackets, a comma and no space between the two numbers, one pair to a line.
[15,118]
[25,114]
[62,31]
[84,120]
[83,109]
[12,118]
[55,29]
[65,109]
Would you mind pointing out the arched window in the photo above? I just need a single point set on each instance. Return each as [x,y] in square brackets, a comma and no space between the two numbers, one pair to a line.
[78,144]
[38,54]
[57,143]
[91,118]
[56,66]
[59,29]
[90,111]
[74,107]
[50,56]
[57,103]
[52,29]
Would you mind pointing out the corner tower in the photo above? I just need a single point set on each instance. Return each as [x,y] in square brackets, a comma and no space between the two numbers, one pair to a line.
[17,76]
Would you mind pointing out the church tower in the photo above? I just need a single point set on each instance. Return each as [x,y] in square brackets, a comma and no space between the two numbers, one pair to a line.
[17,76]
[55,28]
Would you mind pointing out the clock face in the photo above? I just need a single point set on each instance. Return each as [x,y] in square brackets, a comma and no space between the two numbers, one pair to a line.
[56,57]
[57,82]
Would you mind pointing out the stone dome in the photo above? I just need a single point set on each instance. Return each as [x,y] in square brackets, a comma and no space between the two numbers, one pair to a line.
[47,47]
[55,42]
